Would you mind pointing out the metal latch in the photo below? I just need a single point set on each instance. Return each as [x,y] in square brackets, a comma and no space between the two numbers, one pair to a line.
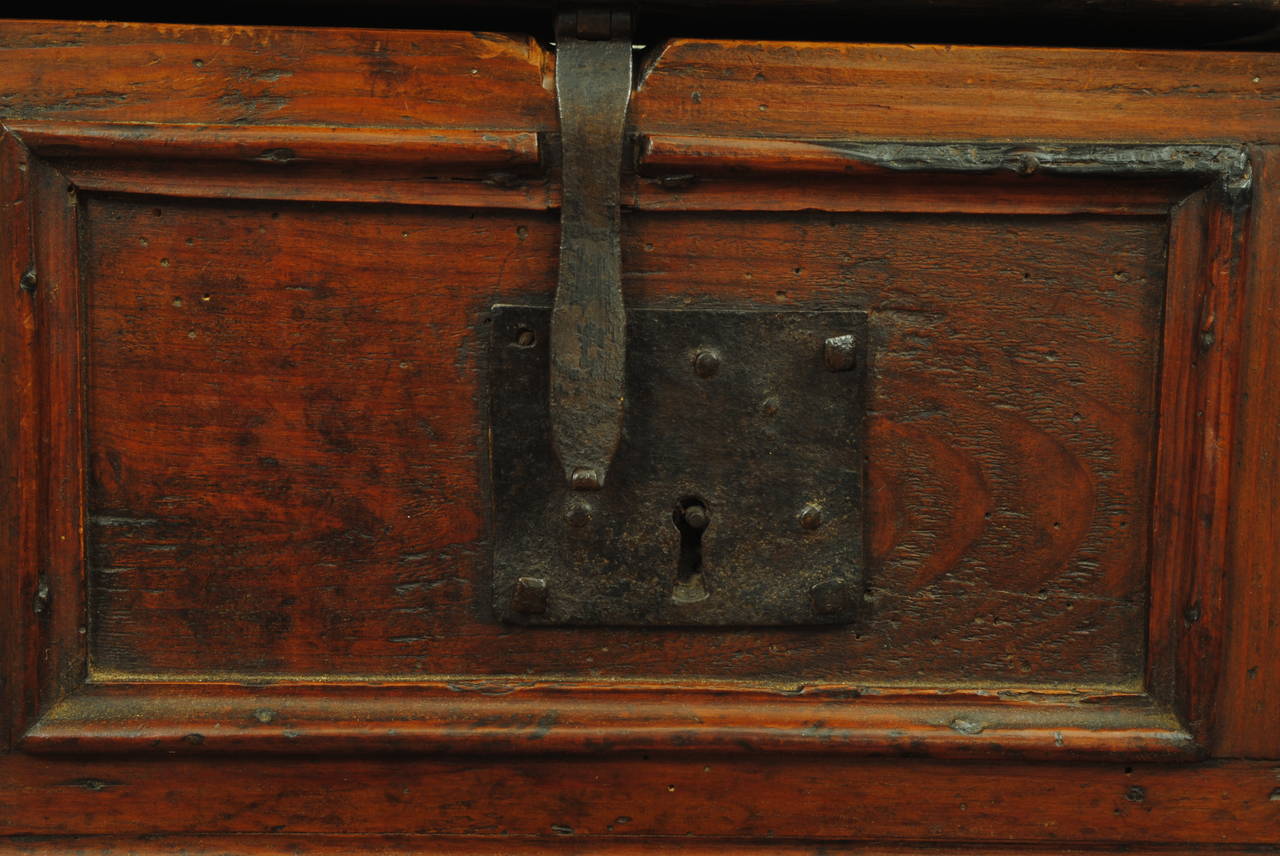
[588,327]
[657,466]
[735,497]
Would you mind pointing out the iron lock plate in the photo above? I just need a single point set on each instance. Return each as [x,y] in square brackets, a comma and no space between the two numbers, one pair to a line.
[736,494]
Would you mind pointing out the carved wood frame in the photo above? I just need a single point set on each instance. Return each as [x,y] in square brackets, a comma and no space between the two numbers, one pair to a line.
[58,706]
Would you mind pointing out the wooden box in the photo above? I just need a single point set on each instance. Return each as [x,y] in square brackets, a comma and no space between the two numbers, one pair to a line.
[247,512]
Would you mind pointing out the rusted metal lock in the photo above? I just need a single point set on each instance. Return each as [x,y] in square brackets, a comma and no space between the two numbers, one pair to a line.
[665,466]
[735,497]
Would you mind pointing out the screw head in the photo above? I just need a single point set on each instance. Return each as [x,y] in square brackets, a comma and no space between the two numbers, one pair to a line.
[830,597]
[697,516]
[529,596]
[840,353]
[706,363]
[810,517]
[578,513]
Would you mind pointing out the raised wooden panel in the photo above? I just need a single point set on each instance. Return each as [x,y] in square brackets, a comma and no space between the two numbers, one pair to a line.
[279,408]
[299,490]
[245,514]
[1250,693]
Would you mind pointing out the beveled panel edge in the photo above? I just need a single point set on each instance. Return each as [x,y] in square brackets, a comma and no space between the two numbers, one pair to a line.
[590,718]
[280,145]
[1162,737]
[314,163]
[563,842]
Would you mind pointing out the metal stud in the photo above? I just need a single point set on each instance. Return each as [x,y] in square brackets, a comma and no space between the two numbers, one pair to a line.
[840,353]
[830,597]
[706,363]
[530,596]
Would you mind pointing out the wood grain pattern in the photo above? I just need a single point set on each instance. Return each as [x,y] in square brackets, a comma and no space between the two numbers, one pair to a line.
[220,546]
[413,845]
[949,92]
[550,717]
[1250,692]
[20,530]
[1197,421]
[280,145]
[632,797]
[60,449]
[73,71]
[284,494]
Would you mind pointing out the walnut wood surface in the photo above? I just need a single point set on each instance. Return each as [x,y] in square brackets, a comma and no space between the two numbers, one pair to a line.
[254,76]
[633,797]
[287,453]
[282,370]
[554,717]
[944,92]
[1250,693]
[519,846]
[562,843]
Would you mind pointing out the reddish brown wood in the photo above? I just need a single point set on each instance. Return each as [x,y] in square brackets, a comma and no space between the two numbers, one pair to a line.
[61,450]
[360,78]
[633,797]
[1250,691]
[1200,364]
[392,583]
[405,845]
[20,530]
[257,379]
[550,717]
[125,541]
[817,91]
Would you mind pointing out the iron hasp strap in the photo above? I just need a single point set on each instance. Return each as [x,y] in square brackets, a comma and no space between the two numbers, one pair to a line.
[588,326]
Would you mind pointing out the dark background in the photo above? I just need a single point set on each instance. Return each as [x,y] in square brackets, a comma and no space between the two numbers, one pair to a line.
[1221,24]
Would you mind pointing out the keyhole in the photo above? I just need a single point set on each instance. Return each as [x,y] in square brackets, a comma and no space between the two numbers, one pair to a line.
[692,519]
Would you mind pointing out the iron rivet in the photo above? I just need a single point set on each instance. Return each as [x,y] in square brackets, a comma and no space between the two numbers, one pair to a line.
[840,353]
[525,337]
[706,363]
[530,596]
[28,281]
[585,478]
[578,514]
[697,516]
[830,597]
[810,516]
[1027,164]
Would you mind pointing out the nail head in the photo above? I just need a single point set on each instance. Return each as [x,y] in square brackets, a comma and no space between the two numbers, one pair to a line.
[840,353]
[830,597]
[578,514]
[585,478]
[706,363]
[530,596]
